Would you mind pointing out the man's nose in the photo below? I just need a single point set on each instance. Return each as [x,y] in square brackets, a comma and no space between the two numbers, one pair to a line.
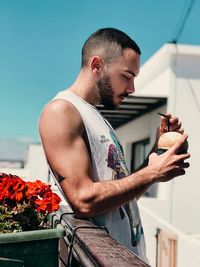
[131,89]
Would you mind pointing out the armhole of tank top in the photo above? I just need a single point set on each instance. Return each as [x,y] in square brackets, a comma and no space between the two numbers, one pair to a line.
[85,134]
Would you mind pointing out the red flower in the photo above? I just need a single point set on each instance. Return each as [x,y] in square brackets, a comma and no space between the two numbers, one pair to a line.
[11,187]
[37,194]
[26,203]
[36,188]
[17,190]
[49,203]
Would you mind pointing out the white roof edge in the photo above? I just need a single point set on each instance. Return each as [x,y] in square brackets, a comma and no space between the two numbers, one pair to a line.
[187,49]
[170,49]
[161,60]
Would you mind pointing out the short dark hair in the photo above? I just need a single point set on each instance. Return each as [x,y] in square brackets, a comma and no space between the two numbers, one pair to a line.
[107,42]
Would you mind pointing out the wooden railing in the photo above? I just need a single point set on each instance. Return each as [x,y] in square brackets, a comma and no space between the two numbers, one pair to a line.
[88,245]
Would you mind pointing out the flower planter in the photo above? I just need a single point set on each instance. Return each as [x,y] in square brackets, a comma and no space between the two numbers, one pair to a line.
[38,248]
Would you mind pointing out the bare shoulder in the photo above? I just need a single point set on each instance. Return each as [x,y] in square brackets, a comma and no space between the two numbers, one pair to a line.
[60,117]
[60,108]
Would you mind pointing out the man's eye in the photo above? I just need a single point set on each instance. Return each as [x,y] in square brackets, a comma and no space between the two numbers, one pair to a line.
[126,77]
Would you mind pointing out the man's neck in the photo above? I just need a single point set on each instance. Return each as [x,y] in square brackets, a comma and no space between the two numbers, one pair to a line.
[86,88]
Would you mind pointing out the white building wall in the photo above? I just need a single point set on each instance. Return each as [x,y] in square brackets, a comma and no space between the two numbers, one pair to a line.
[184,101]
[36,163]
[188,247]
[23,173]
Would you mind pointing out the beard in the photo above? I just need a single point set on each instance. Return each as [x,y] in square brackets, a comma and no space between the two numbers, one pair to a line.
[106,92]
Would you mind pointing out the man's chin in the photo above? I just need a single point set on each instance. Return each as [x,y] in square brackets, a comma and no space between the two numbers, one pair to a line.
[111,106]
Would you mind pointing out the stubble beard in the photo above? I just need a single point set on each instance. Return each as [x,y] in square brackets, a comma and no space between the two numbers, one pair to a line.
[106,92]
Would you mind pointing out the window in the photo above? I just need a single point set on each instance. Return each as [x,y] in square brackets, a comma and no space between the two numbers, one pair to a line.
[140,151]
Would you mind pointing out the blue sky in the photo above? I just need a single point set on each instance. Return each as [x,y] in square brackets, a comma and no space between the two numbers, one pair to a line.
[41,41]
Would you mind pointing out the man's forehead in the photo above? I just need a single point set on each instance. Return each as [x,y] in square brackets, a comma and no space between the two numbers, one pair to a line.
[129,62]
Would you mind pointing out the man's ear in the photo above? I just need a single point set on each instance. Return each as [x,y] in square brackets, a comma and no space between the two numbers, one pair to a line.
[96,64]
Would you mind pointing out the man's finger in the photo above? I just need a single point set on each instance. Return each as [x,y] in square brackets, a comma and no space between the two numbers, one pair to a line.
[180,143]
[184,165]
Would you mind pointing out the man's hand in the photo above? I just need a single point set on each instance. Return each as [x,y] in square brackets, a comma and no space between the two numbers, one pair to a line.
[169,164]
[175,125]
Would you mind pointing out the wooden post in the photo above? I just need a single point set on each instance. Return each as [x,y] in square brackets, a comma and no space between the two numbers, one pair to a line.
[166,249]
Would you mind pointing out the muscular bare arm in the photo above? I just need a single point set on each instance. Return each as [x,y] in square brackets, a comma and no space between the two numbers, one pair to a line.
[62,131]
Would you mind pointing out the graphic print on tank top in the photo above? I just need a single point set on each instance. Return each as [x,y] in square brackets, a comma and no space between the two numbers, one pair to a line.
[116,162]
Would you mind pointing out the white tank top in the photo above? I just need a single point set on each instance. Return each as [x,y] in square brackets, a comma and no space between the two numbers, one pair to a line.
[108,163]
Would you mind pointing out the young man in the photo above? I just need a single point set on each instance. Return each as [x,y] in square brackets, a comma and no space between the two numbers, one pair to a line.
[83,151]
